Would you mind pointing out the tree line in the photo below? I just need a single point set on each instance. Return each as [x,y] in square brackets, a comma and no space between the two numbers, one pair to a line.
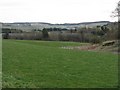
[82,34]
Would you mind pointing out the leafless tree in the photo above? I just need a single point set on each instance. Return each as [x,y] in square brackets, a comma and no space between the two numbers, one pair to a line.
[116,12]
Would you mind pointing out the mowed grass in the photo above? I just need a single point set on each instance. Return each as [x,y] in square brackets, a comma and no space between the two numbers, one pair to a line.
[43,64]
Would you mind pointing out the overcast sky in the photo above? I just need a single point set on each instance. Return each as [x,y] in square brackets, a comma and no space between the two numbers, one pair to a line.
[56,11]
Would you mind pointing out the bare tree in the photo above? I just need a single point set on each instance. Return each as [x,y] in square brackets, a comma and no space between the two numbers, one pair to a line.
[116,12]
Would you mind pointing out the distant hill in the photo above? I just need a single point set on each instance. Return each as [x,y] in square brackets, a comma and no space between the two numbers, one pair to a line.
[28,26]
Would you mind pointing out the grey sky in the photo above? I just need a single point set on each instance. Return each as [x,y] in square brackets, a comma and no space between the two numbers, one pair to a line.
[56,11]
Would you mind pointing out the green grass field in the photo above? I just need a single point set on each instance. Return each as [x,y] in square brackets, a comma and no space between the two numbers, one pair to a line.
[44,64]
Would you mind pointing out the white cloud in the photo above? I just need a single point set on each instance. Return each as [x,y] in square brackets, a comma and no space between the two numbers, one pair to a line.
[56,11]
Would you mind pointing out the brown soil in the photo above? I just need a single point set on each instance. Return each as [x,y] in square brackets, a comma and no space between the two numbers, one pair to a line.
[95,47]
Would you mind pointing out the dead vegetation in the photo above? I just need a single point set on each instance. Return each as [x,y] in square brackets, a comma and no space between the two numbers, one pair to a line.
[107,46]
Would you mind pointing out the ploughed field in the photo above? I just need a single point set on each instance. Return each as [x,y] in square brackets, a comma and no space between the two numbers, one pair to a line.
[44,64]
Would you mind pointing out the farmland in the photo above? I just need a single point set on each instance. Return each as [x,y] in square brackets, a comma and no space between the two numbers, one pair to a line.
[44,64]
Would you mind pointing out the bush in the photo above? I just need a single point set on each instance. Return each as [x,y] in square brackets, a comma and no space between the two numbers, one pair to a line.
[45,33]
[95,39]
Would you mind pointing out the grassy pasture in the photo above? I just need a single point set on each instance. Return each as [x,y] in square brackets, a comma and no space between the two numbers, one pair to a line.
[44,64]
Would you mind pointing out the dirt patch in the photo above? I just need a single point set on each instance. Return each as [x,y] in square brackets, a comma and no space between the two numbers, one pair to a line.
[95,47]
[86,47]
